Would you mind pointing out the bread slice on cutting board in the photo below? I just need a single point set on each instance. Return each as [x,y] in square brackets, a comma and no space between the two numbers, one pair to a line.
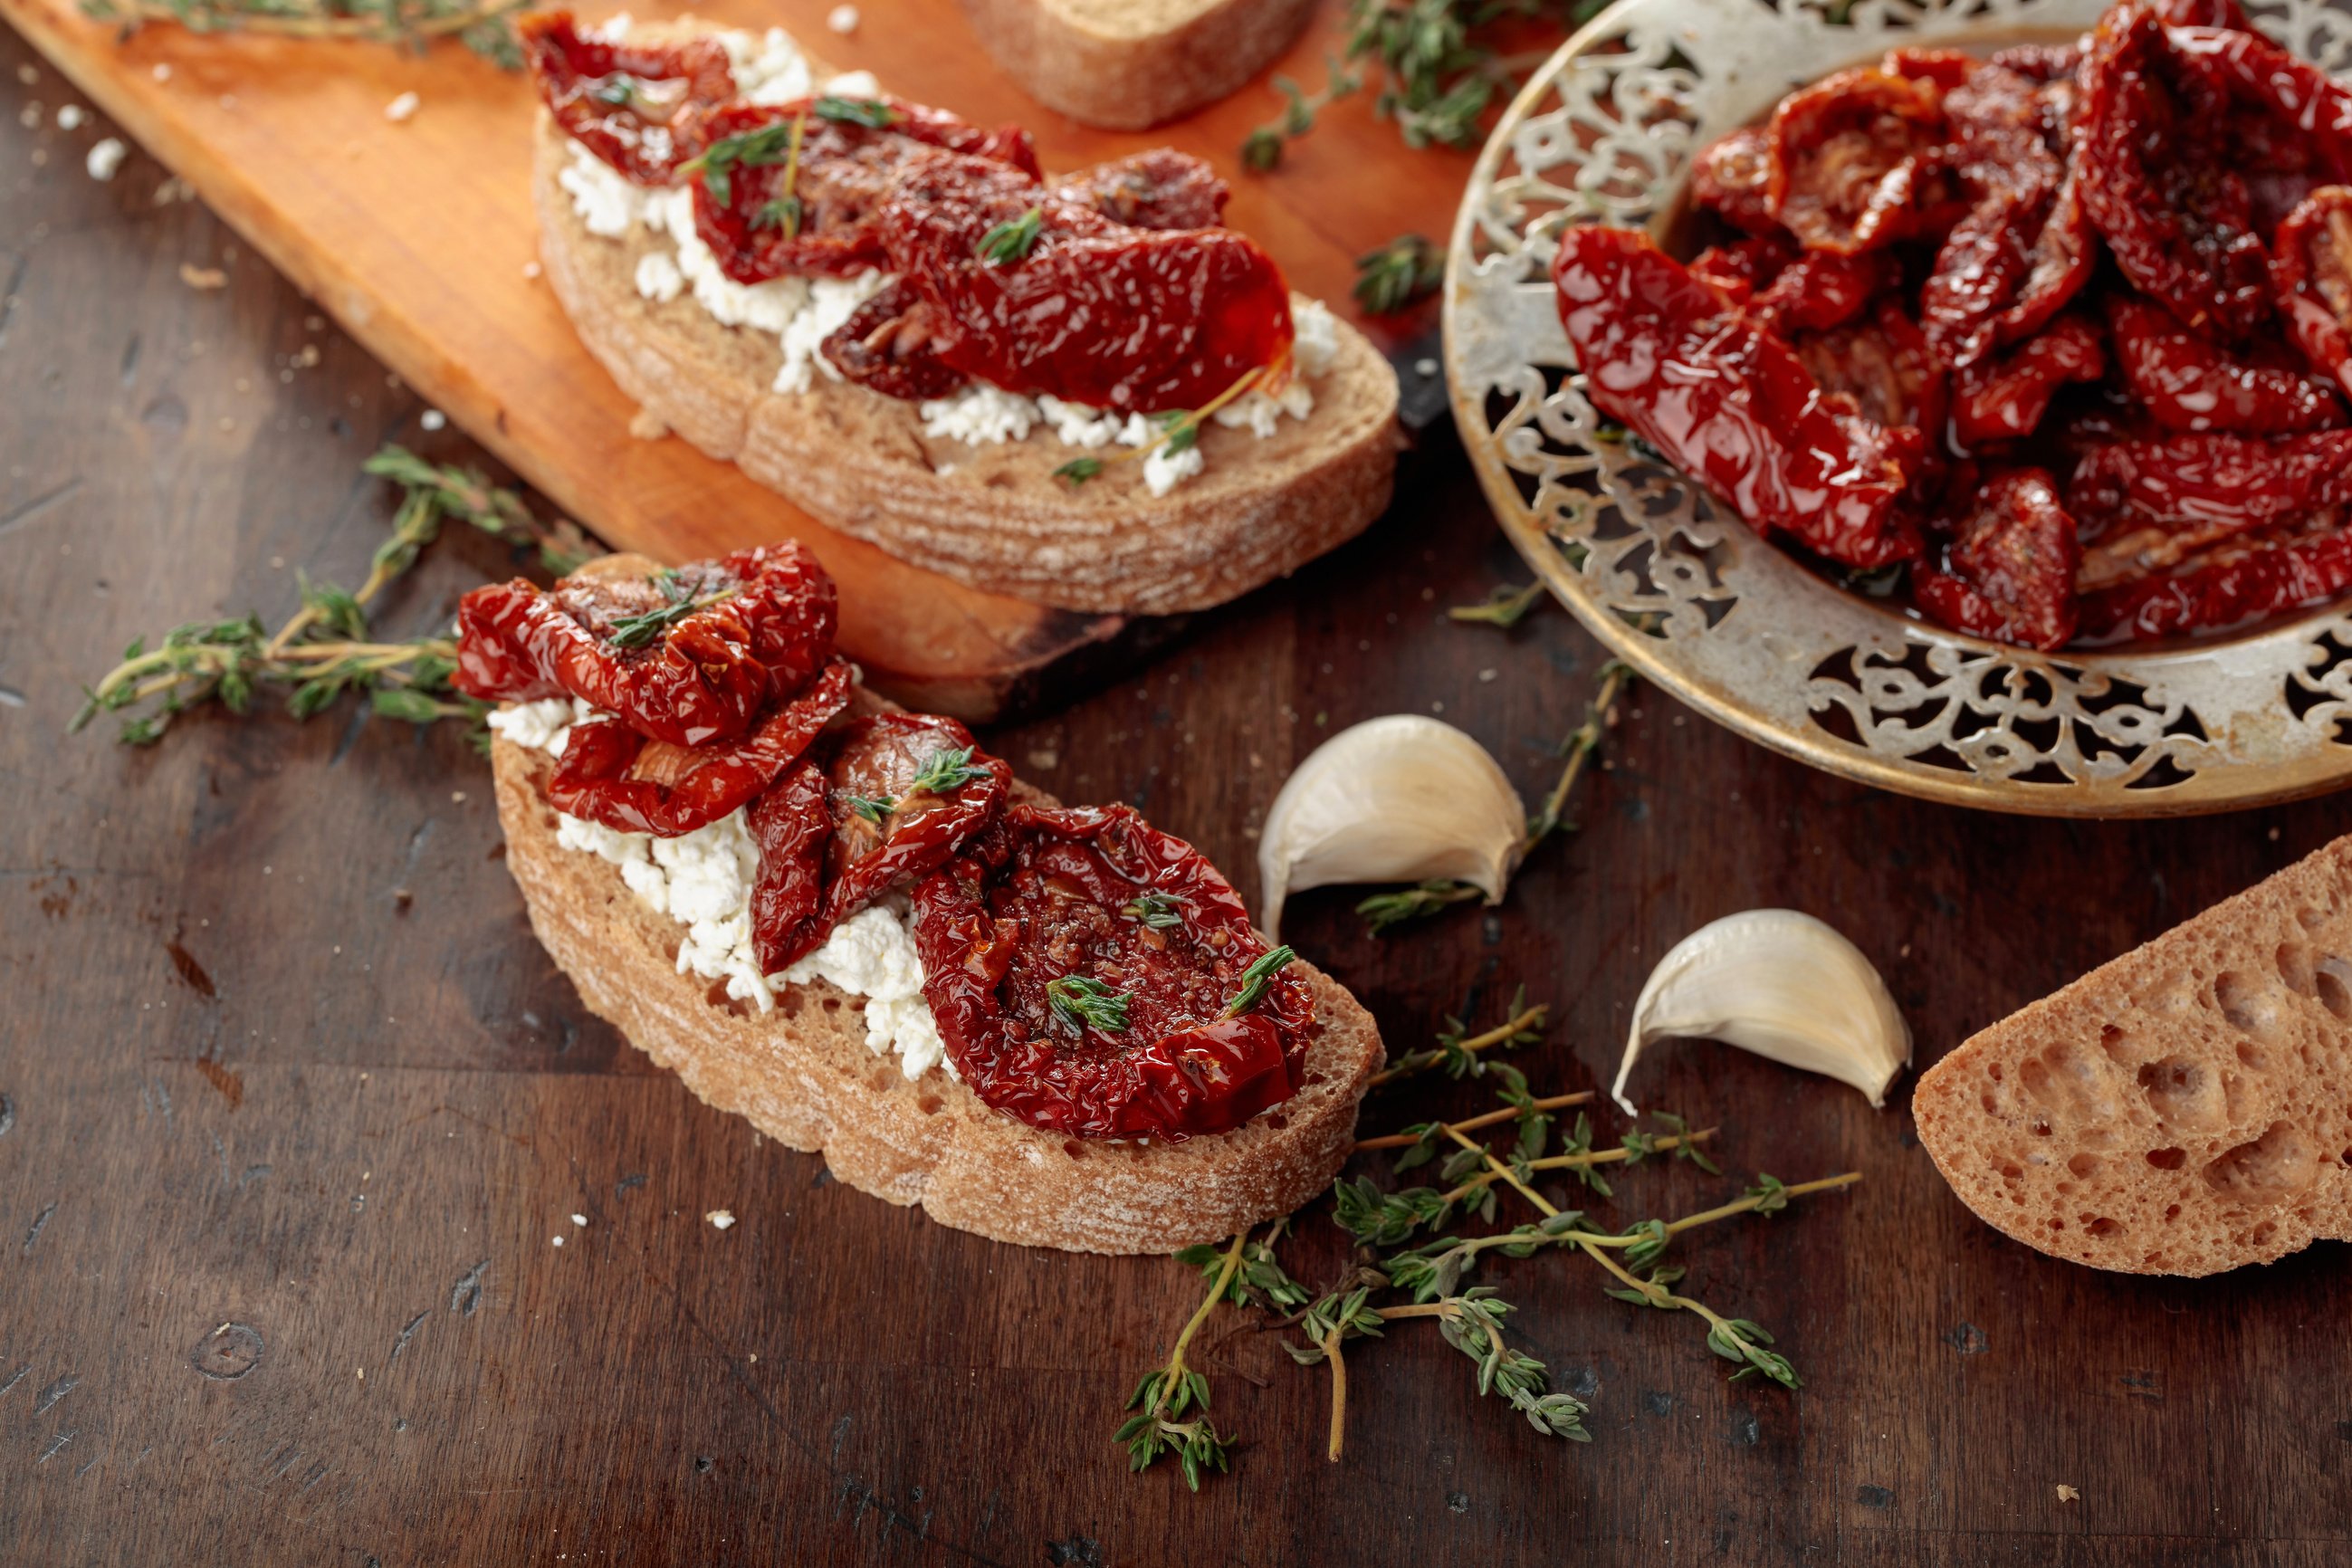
[2184,1110]
[804,1075]
[991,515]
[1125,65]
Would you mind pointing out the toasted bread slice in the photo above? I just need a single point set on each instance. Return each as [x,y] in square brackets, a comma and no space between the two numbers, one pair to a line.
[993,516]
[804,1076]
[2184,1110]
[1126,65]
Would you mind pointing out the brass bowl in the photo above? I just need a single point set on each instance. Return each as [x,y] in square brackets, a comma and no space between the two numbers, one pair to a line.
[1681,589]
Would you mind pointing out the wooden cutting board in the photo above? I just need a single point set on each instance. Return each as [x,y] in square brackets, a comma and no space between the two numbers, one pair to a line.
[417,237]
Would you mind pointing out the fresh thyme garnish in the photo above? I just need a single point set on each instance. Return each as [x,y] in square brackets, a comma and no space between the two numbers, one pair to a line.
[1504,606]
[1157,910]
[1399,275]
[1083,1002]
[1255,980]
[948,770]
[1259,1281]
[872,808]
[871,112]
[1163,1397]
[1457,1050]
[1180,429]
[1261,149]
[485,26]
[762,149]
[648,626]
[326,647]
[1384,910]
[1012,239]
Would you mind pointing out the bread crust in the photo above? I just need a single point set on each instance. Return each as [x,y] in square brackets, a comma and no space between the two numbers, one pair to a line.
[2184,1110]
[991,516]
[804,1076]
[1128,65]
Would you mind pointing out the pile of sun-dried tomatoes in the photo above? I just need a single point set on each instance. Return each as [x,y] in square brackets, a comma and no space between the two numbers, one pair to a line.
[2060,331]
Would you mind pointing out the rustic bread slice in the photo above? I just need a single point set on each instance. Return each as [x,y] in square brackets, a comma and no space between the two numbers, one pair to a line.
[993,516]
[1126,65]
[804,1076]
[2184,1110]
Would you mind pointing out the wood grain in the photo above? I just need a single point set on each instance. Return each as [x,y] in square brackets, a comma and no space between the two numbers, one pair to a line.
[416,237]
[279,1052]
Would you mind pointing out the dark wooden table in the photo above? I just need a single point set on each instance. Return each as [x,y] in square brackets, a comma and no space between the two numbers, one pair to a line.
[295,1107]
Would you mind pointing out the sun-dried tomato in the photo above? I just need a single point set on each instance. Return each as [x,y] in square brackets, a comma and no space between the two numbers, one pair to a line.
[1740,269]
[2234,586]
[886,345]
[2024,248]
[1035,295]
[1885,364]
[767,207]
[1728,403]
[1732,178]
[2011,564]
[2187,384]
[2212,485]
[2003,399]
[2287,126]
[1159,189]
[2178,220]
[1086,972]
[685,656]
[905,792]
[1855,160]
[1795,290]
[638,106]
[790,822]
[2311,268]
[2039,62]
[600,777]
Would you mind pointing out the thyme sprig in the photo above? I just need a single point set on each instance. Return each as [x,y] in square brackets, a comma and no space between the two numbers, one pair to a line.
[873,808]
[326,648]
[1384,912]
[485,26]
[946,771]
[1180,429]
[1458,1049]
[1399,275]
[1263,148]
[1504,606]
[1256,978]
[1012,239]
[1156,910]
[1083,1002]
[1161,1399]
[1260,1281]
[874,113]
[648,626]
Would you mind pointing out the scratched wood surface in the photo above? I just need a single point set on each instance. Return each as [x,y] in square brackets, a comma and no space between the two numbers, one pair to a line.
[293,1111]
[417,238]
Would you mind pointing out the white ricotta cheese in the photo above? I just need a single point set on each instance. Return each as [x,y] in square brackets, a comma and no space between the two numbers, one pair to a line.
[543,726]
[768,67]
[855,84]
[829,301]
[980,416]
[1317,332]
[870,954]
[1076,424]
[768,307]
[1164,468]
[607,204]
[658,278]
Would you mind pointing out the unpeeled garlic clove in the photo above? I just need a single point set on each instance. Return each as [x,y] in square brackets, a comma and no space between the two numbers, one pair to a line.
[1783,985]
[1398,799]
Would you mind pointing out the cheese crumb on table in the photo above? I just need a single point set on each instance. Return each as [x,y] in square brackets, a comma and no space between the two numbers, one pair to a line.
[106,158]
[400,109]
[843,19]
[70,116]
[433,419]
[720,1218]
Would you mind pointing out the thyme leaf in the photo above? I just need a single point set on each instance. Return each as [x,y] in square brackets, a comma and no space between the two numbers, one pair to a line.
[1012,239]
[873,808]
[948,770]
[1157,910]
[872,113]
[1504,606]
[485,26]
[1255,979]
[1083,1002]
[648,626]
[1399,275]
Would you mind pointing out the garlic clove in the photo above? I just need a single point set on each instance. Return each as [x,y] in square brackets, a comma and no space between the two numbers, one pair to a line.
[1783,985]
[1398,799]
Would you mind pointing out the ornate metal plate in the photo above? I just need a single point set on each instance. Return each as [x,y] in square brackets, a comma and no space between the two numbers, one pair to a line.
[1679,587]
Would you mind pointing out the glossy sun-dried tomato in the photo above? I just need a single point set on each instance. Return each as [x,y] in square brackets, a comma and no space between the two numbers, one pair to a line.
[2004,398]
[2186,384]
[1085,971]
[1728,403]
[1732,178]
[1795,290]
[2024,247]
[639,107]
[2236,585]
[2012,564]
[2178,220]
[685,656]
[1035,295]
[1855,160]
[905,791]
[600,777]
[2287,126]
[767,208]
[2212,485]
[886,345]
[1885,364]
[790,822]
[2311,268]
[1159,189]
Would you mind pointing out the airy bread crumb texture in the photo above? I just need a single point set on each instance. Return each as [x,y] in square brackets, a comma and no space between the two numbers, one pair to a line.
[2184,1110]
[804,1075]
[1125,65]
